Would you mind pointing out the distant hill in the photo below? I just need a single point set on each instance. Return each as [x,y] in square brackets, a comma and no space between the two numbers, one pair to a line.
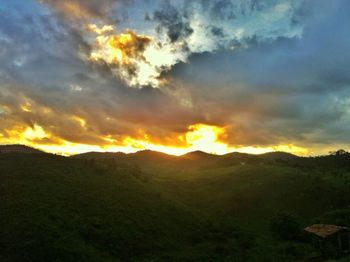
[198,155]
[279,155]
[19,149]
[99,155]
[198,159]
[192,159]
[191,156]
[149,154]
[151,160]
[139,154]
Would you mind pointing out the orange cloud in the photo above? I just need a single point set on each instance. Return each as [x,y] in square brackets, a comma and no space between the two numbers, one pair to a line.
[81,9]
[124,53]
[25,119]
[206,138]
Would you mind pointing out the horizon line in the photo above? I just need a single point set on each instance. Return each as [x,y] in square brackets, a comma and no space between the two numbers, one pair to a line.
[173,155]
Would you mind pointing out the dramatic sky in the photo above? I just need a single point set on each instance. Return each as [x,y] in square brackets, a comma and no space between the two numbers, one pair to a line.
[175,75]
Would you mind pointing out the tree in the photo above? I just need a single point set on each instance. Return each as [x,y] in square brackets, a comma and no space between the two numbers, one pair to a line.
[285,226]
[339,152]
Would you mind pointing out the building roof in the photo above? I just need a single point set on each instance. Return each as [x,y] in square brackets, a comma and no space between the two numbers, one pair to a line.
[324,230]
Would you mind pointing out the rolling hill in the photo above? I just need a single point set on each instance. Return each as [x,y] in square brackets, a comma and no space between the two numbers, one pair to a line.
[150,206]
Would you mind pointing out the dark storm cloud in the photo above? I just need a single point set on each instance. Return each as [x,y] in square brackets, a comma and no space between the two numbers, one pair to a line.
[228,9]
[206,26]
[26,38]
[217,31]
[222,9]
[274,87]
[171,20]
[286,90]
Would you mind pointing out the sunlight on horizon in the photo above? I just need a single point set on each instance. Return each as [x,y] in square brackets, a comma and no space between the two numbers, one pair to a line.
[199,137]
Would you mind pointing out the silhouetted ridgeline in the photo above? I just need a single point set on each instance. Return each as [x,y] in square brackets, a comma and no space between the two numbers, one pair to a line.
[19,149]
[338,158]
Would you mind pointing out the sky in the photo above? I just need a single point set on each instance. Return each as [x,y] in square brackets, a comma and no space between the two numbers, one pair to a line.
[175,75]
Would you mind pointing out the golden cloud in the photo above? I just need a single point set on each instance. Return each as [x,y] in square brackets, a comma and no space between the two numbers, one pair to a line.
[25,119]
[203,137]
[125,54]
[137,59]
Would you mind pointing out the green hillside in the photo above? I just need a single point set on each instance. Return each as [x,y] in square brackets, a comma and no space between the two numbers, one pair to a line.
[150,206]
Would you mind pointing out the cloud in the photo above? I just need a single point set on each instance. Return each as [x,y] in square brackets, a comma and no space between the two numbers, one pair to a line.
[268,73]
[229,22]
[81,9]
[176,30]
[124,54]
[172,21]
[287,90]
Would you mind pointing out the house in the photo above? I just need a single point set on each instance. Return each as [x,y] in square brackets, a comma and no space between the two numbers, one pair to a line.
[330,239]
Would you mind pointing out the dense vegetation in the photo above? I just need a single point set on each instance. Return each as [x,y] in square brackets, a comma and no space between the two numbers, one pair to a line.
[154,207]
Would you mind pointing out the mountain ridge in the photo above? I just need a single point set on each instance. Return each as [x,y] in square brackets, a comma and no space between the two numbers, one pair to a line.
[19,149]
[193,155]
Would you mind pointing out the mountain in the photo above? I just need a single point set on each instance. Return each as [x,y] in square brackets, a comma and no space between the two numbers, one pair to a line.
[19,149]
[143,154]
[152,160]
[99,155]
[278,155]
[198,155]
[194,156]
[150,155]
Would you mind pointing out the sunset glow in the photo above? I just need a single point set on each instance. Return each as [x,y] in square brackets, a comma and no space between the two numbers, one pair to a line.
[140,130]
[174,76]
[199,137]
